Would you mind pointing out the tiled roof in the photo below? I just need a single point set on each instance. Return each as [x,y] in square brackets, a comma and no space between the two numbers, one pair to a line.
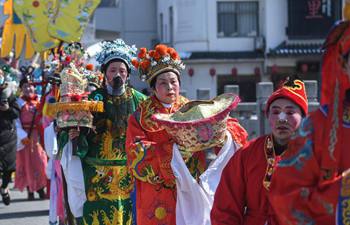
[296,49]
[222,55]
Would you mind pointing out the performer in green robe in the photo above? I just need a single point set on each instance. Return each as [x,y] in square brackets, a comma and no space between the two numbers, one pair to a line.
[108,183]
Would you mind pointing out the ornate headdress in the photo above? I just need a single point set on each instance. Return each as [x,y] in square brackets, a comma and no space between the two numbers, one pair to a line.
[27,75]
[293,90]
[8,82]
[73,53]
[116,49]
[162,59]
[5,74]
[74,109]
[199,125]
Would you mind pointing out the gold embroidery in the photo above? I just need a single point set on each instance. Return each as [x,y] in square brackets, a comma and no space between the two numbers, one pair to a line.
[160,213]
[345,198]
[270,160]
[151,106]
[116,215]
[345,190]
[91,196]
[118,185]
[298,85]
[147,173]
[346,211]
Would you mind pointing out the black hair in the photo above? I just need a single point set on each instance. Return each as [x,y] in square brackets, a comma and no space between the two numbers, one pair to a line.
[23,81]
[105,66]
[289,81]
[152,84]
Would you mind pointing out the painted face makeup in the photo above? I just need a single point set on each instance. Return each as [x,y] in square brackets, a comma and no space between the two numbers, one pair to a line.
[284,119]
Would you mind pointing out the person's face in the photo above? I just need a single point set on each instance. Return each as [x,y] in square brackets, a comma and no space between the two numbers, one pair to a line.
[284,119]
[167,87]
[116,69]
[28,89]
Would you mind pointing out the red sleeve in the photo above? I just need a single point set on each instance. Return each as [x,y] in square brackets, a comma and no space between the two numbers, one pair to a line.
[136,147]
[39,124]
[298,193]
[239,134]
[134,133]
[149,161]
[229,200]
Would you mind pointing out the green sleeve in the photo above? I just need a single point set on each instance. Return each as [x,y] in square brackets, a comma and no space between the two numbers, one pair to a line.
[138,96]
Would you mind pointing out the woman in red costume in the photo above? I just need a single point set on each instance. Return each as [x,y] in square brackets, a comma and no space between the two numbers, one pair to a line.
[241,197]
[31,160]
[311,184]
[149,162]
[149,146]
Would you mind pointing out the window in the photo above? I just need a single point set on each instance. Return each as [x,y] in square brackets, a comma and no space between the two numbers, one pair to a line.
[171,25]
[237,19]
[247,85]
[108,3]
[161,26]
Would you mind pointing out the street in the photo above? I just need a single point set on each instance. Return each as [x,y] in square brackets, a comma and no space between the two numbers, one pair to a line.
[24,212]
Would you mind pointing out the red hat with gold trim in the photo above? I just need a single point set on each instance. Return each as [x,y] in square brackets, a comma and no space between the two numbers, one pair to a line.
[293,90]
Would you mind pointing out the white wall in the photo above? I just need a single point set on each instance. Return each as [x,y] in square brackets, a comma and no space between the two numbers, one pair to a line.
[163,7]
[109,19]
[140,22]
[276,15]
[195,26]
[135,21]
[225,44]
[191,27]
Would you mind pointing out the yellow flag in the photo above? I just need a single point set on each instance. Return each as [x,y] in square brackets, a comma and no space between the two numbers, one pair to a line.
[15,34]
[36,16]
[71,19]
[346,10]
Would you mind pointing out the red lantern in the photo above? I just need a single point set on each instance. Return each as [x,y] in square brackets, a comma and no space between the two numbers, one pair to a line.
[257,71]
[234,71]
[212,72]
[190,72]
[274,69]
[304,67]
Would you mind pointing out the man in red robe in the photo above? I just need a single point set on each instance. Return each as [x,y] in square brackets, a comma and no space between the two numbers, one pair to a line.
[311,184]
[241,197]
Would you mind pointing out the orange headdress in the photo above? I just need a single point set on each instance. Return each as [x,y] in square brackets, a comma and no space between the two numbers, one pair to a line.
[162,59]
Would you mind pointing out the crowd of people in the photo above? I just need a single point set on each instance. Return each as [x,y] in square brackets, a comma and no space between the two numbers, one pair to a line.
[116,156]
